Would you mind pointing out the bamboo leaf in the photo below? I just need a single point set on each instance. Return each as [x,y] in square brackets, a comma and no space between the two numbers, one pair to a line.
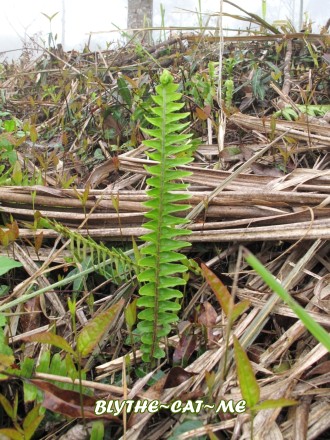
[274,403]
[219,289]
[52,339]
[247,382]
[130,314]
[95,329]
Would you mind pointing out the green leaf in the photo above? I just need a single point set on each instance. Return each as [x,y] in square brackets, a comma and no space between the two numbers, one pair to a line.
[9,125]
[223,296]
[137,253]
[188,425]
[52,339]
[5,349]
[264,8]
[97,432]
[164,292]
[95,329]
[6,405]
[27,369]
[130,314]
[58,366]
[257,85]
[124,91]
[219,289]
[12,157]
[150,274]
[247,382]
[50,17]
[149,301]
[70,368]
[156,352]
[31,422]
[12,434]
[6,264]
[6,360]
[239,309]
[274,403]
[33,133]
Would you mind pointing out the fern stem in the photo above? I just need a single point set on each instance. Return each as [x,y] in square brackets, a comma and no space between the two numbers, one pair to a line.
[159,227]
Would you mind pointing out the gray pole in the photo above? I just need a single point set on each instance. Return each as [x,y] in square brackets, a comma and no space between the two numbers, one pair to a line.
[301,13]
[63,24]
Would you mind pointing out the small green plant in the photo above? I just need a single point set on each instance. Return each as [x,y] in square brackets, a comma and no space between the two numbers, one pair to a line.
[13,133]
[27,429]
[229,65]
[232,311]
[6,352]
[87,340]
[51,37]
[8,155]
[248,384]
[202,88]
[290,114]
[161,262]
[229,92]
[250,388]
[51,91]
[229,86]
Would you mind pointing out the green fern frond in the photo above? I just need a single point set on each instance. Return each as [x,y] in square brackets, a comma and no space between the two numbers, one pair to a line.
[161,262]
[120,267]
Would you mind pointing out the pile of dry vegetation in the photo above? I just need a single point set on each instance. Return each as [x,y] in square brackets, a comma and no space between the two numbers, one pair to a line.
[72,151]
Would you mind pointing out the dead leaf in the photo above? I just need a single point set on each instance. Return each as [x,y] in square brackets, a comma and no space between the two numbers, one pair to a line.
[68,402]
[38,241]
[201,114]
[31,319]
[101,172]
[110,123]
[322,293]
[192,395]
[320,369]
[208,319]
[185,348]
[153,393]
[265,170]
[176,376]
